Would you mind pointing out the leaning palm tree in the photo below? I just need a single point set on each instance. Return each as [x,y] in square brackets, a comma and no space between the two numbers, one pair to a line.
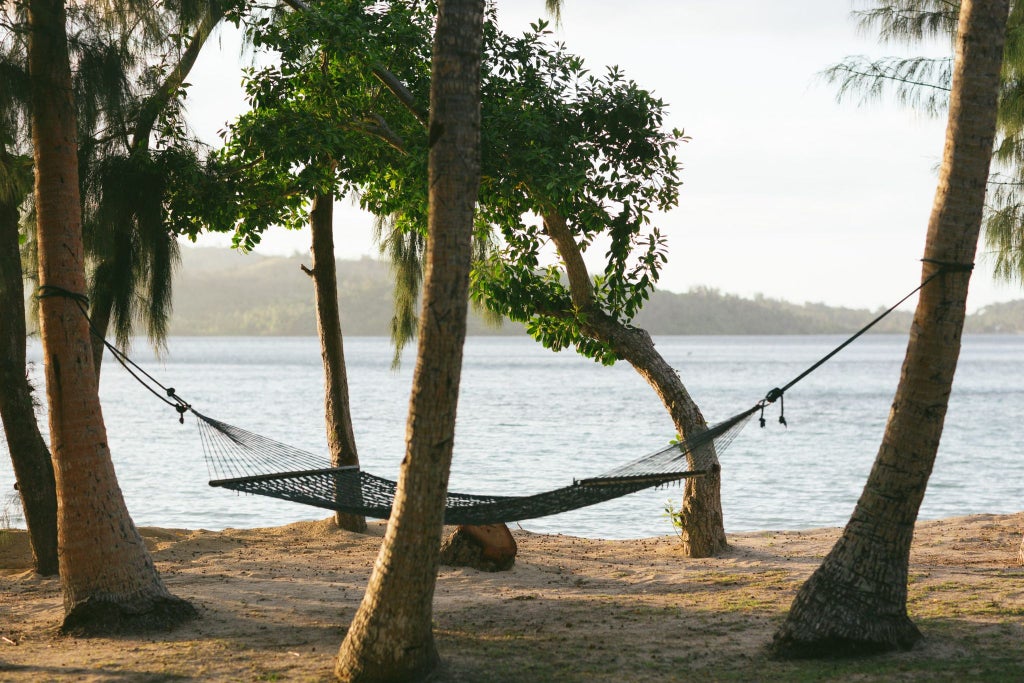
[107,575]
[856,601]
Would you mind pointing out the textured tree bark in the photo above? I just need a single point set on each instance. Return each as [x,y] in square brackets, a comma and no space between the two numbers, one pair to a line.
[702,527]
[108,577]
[390,638]
[856,602]
[341,438]
[31,459]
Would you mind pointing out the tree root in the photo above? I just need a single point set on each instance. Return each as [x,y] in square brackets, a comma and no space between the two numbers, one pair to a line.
[831,619]
[102,617]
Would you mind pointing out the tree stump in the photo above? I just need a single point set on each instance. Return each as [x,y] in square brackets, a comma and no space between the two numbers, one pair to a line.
[489,548]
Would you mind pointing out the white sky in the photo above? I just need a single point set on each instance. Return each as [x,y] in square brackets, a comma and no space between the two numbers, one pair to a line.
[786,192]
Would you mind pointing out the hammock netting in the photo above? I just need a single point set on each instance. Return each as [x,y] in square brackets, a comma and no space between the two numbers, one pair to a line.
[243,461]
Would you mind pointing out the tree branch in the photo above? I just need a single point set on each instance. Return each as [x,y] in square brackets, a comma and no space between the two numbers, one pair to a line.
[390,80]
[380,129]
[398,89]
[887,76]
[298,5]
[580,286]
[156,103]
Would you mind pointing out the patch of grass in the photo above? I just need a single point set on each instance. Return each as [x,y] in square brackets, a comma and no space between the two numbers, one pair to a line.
[746,603]
[950,599]
[727,641]
[944,586]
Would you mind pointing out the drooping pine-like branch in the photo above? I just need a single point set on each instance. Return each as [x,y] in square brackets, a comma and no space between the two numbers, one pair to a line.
[919,83]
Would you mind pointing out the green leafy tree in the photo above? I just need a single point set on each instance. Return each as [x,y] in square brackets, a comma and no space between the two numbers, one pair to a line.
[29,455]
[584,155]
[309,135]
[856,601]
[106,47]
[582,160]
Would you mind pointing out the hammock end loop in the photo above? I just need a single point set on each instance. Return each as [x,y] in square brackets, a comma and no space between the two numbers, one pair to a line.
[772,396]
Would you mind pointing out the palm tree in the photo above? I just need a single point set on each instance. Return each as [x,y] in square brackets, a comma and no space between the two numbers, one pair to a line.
[107,575]
[391,637]
[923,83]
[856,601]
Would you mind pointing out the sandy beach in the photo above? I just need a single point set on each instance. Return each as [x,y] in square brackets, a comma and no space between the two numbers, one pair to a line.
[275,603]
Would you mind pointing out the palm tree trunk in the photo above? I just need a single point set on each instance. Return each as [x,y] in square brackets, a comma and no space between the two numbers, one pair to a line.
[107,574]
[390,638]
[702,527]
[29,455]
[856,602]
[340,437]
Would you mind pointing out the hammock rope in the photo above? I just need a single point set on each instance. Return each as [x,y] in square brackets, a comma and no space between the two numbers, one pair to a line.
[247,462]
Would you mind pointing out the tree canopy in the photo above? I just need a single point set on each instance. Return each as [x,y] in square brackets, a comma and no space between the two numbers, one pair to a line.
[557,139]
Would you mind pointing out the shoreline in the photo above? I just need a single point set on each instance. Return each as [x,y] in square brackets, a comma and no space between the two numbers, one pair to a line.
[274,604]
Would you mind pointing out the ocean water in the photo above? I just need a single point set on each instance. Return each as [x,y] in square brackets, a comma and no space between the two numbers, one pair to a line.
[530,420]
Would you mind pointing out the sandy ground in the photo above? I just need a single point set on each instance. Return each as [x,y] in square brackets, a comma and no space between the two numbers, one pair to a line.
[274,605]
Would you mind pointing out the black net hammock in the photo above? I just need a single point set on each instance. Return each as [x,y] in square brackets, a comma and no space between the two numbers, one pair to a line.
[246,462]
[242,461]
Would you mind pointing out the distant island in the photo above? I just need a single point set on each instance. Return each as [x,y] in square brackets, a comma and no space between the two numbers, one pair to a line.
[219,292]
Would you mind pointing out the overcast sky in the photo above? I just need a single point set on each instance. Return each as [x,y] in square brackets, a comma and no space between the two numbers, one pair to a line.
[786,192]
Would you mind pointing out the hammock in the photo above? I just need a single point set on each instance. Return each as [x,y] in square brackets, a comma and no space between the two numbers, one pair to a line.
[242,461]
[246,462]
[249,463]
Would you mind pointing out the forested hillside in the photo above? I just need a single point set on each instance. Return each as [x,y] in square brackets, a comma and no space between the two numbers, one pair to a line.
[222,292]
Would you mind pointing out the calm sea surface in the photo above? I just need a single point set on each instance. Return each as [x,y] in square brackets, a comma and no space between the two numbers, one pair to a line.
[531,420]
